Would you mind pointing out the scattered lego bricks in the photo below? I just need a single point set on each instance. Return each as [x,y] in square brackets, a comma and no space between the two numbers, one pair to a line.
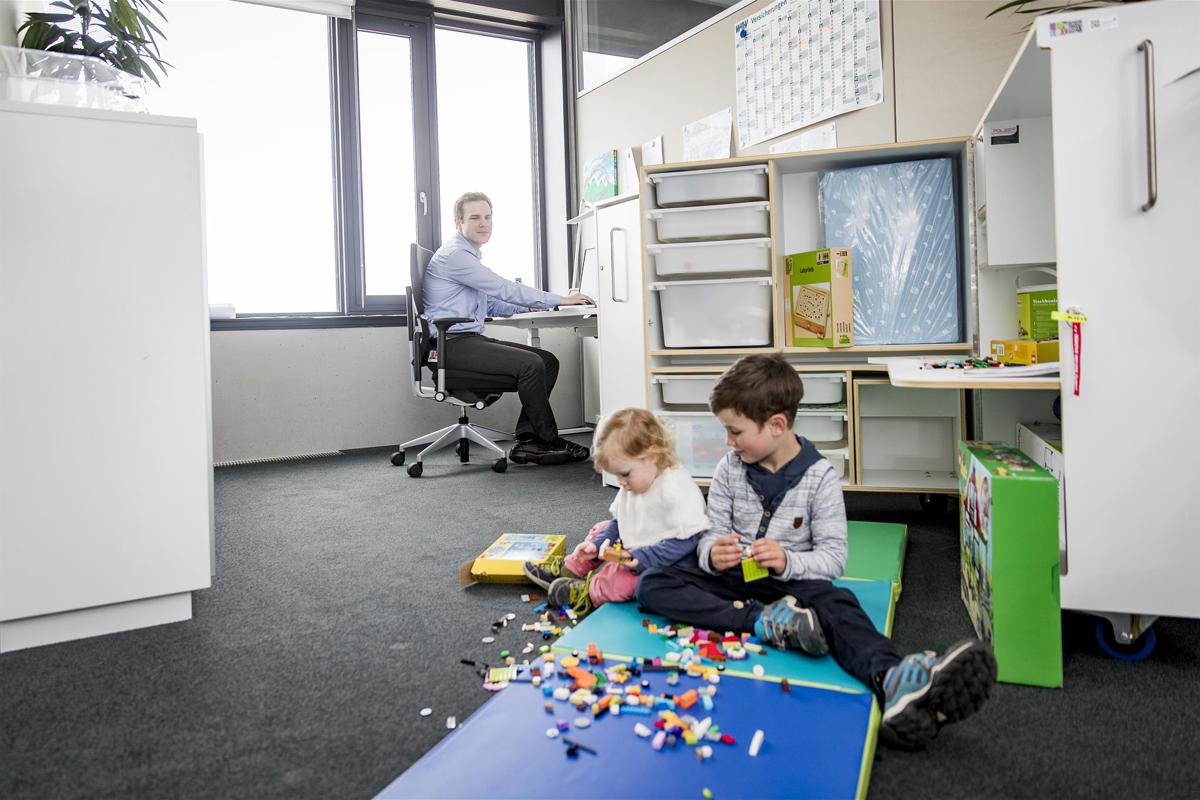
[595,690]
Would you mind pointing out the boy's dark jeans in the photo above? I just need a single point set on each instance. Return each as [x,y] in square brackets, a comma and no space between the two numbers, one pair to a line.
[686,593]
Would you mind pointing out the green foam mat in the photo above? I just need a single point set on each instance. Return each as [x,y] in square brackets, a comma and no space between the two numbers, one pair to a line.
[616,629]
[876,552]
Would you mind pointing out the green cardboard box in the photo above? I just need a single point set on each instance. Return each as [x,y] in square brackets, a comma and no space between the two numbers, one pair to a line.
[819,304]
[1008,523]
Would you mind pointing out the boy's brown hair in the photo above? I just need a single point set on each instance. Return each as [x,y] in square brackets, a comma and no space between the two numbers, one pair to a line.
[758,387]
[633,433]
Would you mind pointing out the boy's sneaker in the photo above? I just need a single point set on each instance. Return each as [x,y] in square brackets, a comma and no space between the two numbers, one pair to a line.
[544,573]
[535,452]
[576,452]
[926,691]
[572,592]
[787,624]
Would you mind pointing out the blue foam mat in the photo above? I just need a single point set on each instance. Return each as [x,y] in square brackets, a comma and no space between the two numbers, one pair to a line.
[617,630]
[816,745]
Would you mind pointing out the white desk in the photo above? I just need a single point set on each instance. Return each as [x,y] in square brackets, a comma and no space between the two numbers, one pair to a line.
[582,318]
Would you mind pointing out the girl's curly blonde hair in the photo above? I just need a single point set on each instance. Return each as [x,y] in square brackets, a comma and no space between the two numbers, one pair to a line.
[633,433]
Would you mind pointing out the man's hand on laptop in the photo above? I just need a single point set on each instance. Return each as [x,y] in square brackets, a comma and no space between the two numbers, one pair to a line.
[576,299]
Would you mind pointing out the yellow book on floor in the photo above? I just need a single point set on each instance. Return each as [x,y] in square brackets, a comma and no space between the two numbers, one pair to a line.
[504,559]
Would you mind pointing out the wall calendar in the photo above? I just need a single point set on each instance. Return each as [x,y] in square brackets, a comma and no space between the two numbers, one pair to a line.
[801,61]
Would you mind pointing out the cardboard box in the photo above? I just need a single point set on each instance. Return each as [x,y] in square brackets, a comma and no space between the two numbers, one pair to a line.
[1035,304]
[504,559]
[1023,351]
[819,304]
[1009,565]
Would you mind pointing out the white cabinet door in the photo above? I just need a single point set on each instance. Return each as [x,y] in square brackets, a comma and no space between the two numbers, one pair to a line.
[621,303]
[1131,433]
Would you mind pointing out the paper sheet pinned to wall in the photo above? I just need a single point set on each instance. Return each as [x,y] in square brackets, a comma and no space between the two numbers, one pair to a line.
[652,152]
[798,62]
[821,138]
[708,137]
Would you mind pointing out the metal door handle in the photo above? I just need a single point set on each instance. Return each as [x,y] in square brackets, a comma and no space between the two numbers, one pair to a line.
[424,200]
[612,249]
[1147,50]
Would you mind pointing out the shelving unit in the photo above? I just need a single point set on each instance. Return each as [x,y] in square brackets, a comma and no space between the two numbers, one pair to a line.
[906,438]
[792,197]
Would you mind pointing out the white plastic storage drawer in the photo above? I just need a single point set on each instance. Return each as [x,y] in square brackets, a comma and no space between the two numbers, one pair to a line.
[699,440]
[822,389]
[686,390]
[729,313]
[710,185]
[699,258]
[821,427]
[699,223]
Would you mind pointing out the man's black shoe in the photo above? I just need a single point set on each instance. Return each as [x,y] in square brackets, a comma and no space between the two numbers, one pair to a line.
[535,452]
[577,452]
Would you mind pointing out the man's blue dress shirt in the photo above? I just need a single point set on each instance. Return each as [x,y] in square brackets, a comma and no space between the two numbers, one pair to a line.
[457,284]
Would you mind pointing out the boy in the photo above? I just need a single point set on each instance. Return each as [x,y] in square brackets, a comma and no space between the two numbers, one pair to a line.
[775,500]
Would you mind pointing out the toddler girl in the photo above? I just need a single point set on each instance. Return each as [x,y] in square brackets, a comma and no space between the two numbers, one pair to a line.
[658,515]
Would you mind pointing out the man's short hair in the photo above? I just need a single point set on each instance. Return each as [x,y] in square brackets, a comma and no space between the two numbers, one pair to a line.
[758,387]
[469,197]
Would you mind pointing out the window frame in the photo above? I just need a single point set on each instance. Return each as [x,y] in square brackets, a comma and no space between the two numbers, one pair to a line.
[357,309]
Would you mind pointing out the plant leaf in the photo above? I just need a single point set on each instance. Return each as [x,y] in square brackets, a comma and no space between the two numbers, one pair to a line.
[38,16]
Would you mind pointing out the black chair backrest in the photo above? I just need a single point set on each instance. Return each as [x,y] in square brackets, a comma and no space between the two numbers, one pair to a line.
[418,326]
[418,262]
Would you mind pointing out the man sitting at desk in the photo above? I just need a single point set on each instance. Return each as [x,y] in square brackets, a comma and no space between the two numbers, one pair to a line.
[457,284]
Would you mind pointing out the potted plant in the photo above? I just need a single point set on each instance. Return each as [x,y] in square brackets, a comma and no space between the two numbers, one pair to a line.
[119,32]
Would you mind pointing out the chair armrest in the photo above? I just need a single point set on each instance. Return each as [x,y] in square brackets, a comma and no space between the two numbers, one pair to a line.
[442,326]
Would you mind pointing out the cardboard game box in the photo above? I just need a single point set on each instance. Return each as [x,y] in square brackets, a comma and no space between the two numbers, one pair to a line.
[1021,351]
[1009,560]
[504,559]
[819,304]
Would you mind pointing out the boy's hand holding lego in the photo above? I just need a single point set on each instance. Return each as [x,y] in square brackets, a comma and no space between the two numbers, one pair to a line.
[769,555]
[726,552]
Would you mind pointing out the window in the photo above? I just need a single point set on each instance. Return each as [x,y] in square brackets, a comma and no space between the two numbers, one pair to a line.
[610,35]
[486,143]
[268,177]
[321,169]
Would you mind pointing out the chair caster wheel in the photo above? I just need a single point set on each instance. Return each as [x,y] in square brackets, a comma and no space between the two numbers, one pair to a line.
[500,465]
[414,471]
[398,458]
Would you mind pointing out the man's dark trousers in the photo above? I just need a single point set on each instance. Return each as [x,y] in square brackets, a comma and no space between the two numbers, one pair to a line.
[533,370]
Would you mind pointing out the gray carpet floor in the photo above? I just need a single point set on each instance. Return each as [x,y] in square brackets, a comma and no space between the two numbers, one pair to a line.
[336,616]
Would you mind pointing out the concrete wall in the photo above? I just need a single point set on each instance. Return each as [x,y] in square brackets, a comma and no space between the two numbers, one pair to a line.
[286,393]
[942,62]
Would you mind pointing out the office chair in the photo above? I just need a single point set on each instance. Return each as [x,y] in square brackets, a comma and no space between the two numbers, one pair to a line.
[461,388]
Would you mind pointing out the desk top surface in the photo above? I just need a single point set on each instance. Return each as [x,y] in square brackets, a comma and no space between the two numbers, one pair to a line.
[562,317]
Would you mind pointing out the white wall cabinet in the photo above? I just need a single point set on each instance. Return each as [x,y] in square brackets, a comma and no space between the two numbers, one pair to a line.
[620,303]
[1127,260]
[1122,89]
[105,433]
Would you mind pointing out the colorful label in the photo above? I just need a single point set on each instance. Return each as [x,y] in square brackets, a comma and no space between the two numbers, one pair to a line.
[975,515]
